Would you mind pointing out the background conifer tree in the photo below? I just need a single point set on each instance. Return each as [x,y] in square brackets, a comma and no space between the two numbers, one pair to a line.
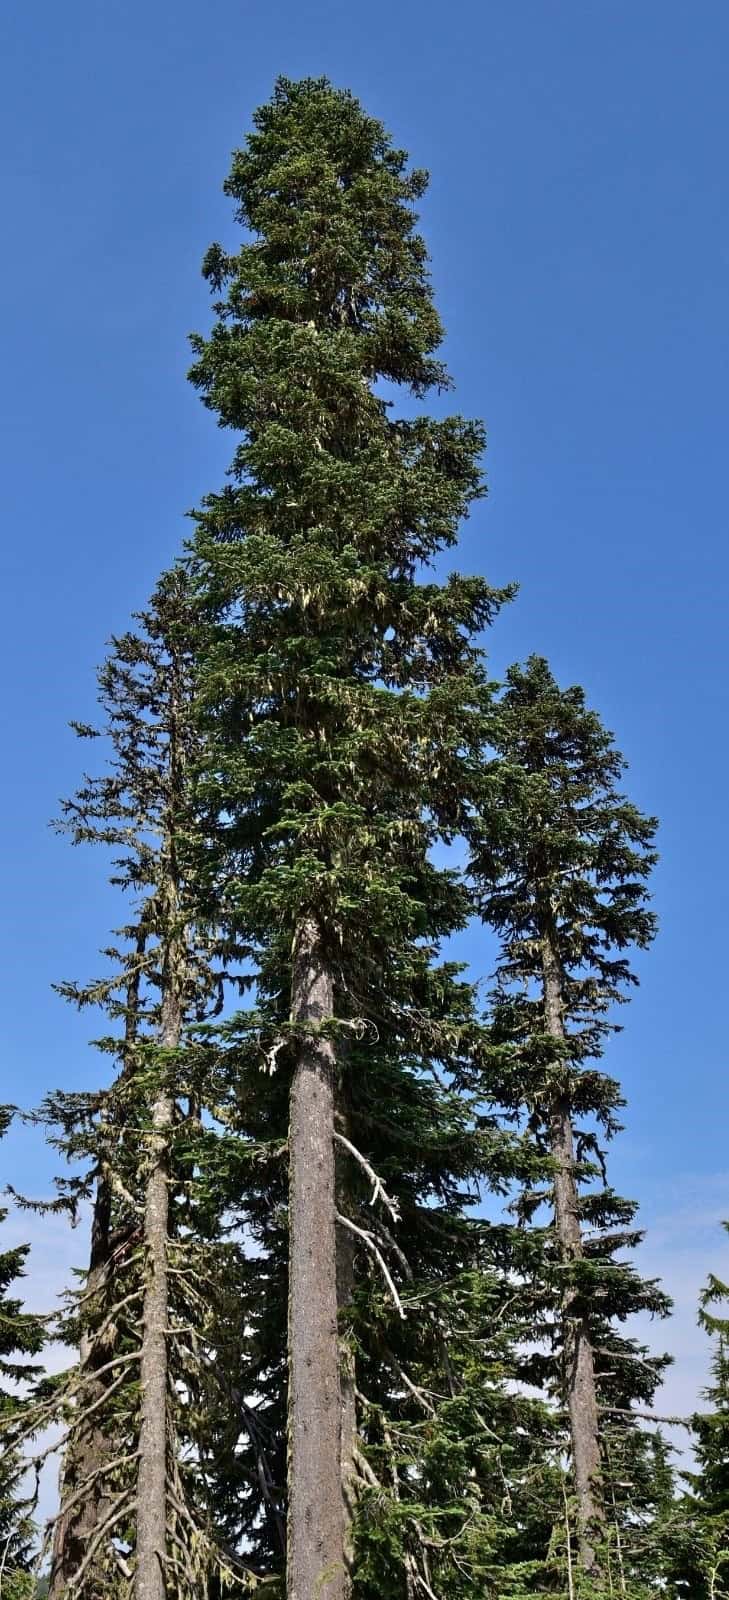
[559,862]
[136,1509]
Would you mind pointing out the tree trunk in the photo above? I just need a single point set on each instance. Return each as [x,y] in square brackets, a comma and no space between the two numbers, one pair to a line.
[150,1582]
[316,1566]
[88,1447]
[579,1364]
[149,1579]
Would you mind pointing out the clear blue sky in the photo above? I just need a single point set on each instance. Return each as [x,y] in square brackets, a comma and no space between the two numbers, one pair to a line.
[579,228]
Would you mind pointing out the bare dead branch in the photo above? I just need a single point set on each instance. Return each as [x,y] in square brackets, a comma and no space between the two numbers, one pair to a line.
[362,1233]
[379,1191]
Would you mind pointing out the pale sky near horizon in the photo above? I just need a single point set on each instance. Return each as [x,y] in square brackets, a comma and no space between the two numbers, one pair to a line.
[579,230]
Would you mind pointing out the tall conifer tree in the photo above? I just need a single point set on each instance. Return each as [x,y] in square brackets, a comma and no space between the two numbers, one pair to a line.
[342,689]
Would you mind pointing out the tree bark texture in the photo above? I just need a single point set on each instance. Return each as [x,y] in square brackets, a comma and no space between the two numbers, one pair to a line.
[316,1564]
[150,1582]
[579,1364]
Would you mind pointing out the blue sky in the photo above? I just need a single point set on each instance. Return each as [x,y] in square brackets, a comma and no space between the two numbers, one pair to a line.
[579,228]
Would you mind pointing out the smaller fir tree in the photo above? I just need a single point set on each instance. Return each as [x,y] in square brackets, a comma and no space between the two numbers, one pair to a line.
[559,863]
[137,1502]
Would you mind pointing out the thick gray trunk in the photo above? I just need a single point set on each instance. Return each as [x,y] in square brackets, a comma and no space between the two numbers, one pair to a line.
[579,1364]
[316,1564]
[149,1580]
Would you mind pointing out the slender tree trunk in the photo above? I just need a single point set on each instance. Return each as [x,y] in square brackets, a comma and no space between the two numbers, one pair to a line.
[88,1448]
[150,1581]
[316,1565]
[579,1364]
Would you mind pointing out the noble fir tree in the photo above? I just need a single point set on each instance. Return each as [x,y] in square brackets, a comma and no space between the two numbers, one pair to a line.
[21,1339]
[559,863]
[343,698]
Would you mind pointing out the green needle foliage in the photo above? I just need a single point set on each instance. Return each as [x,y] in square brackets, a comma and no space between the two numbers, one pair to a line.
[342,691]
